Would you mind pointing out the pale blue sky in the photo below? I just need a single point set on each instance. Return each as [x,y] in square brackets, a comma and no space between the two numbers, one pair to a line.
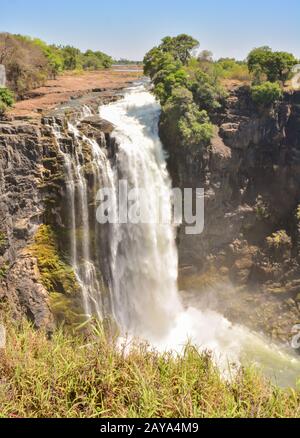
[128,28]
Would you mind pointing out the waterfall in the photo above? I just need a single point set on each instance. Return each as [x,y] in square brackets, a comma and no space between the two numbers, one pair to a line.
[141,258]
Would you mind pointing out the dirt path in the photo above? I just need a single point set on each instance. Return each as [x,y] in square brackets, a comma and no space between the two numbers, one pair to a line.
[69,85]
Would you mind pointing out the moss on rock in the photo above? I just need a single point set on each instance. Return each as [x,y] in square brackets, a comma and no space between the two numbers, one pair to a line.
[57,276]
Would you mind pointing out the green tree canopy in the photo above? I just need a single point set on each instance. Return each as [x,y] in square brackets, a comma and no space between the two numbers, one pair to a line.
[180,46]
[185,122]
[172,50]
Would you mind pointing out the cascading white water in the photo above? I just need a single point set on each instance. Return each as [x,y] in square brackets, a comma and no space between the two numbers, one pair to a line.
[146,302]
[144,262]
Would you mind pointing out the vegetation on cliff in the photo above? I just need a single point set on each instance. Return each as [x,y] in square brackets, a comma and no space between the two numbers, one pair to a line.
[189,85]
[6,99]
[270,71]
[29,62]
[266,93]
[57,276]
[87,376]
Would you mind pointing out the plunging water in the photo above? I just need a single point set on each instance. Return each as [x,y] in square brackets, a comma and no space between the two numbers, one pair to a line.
[144,256]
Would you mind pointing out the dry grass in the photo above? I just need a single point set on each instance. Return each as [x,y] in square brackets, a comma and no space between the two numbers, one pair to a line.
[86,376]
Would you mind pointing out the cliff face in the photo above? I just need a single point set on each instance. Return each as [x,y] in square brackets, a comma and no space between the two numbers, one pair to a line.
[251,177]
[33,193]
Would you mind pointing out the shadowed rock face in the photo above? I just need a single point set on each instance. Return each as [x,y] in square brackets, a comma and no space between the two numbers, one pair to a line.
[251,177]
[21,211]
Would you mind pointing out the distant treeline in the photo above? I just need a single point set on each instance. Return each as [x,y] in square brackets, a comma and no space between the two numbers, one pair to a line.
[30,61]
[124,61]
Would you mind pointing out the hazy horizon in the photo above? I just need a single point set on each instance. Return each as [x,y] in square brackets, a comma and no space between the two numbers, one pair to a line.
[128,29]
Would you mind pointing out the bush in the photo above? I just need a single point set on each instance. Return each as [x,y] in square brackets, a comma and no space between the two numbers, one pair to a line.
[232,69]
[185,123]
[6,96]
[279,239]
[266,94]
[53,55]
[207,92]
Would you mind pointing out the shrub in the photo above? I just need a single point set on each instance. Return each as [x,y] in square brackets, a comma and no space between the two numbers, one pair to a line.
[184,121]
[228,68]
[206,90]
[279,239]
[6,96]
[53,55]
[266,94]
[3,108]
[25,62]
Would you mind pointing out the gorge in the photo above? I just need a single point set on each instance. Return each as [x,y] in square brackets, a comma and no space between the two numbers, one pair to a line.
[125,273]
[149,215]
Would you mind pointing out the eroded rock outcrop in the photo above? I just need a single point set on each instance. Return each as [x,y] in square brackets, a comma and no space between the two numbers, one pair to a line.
[33,185]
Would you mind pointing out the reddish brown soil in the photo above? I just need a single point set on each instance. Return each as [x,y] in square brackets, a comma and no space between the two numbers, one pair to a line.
[65,86]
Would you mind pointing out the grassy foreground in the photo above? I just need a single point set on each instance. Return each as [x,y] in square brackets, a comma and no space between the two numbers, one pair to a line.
[85,376]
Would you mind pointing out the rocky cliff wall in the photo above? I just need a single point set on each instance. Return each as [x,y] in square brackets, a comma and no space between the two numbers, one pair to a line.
[33,196]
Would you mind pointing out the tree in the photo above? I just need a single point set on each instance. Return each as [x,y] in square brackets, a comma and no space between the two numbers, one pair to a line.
[205,56]
[26,65]
[266,94]
[54,56]
[176,51]
[72,58]
[206,90]
[276,66]
[185,123]
[180,47]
